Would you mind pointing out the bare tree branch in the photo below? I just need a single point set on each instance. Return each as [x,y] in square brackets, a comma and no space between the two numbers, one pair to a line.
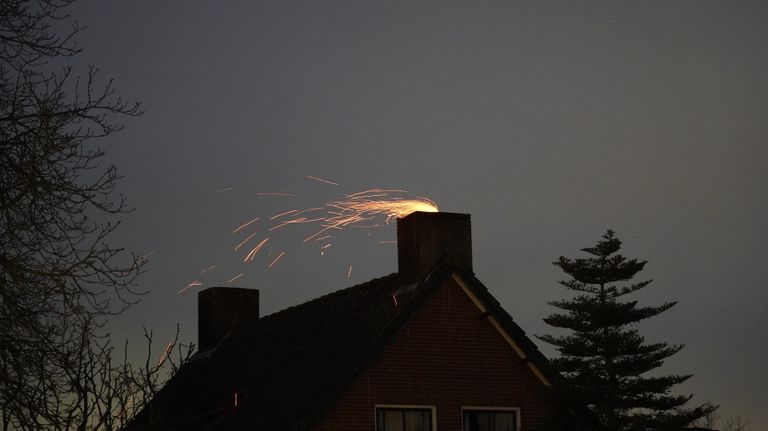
[59,277]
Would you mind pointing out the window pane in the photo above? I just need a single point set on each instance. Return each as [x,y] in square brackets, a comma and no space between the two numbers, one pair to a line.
[405,419]
[392,420]
[417,420]
[484,422]
[476,421]
[470,421]
[489,421]
[504,422]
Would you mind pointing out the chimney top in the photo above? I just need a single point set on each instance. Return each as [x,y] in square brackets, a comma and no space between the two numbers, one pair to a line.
[425,238]
[221,310]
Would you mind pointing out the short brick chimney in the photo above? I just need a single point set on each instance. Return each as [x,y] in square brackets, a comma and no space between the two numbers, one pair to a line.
[221,310]
[425,238]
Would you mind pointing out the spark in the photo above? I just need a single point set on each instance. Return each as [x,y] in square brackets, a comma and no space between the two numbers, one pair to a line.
[244,241]
[245,224]
[235,278]
[146,257]
[286,195]
[206,269]
[322,180]
[367,192]
[349,271]
[276,259]
[323,248]
[295,221]
[282,214]
[394,298]
[227,189]
[124,409]
[255,250]
[235,399]
[308,210]
[166,352]
[389,241]
[190,285]
[367,226]
[322,238]
[380,195]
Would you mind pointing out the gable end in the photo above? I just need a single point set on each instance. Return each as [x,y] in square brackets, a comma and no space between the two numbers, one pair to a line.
[489,315]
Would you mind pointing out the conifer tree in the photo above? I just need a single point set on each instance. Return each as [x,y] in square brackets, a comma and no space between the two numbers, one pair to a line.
[603,359]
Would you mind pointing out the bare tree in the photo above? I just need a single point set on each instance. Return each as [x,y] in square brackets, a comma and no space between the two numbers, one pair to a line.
[100,391]
[735,424]
[709,420]
[59,278]
[712,421]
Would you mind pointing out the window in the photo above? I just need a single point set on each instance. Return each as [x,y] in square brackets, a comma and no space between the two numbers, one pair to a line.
[490,420]
[404,418]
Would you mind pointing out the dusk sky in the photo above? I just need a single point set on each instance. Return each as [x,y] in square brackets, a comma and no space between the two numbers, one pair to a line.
[548,122]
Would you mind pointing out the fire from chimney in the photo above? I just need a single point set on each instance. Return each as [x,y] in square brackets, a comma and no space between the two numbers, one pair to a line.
[424,239]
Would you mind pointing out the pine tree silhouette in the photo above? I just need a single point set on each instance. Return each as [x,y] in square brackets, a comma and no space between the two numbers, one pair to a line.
[604,358]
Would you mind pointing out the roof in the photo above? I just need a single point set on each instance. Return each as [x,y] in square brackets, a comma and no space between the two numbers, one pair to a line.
[289,368]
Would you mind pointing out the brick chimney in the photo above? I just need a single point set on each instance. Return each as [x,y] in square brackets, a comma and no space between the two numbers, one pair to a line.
[221,310]
[424,238]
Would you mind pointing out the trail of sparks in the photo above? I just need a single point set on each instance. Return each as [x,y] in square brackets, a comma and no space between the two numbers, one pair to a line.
[286,195]
[206,270]
[308,210]
[124,409]
[276,259]
[300,220]
[282,214]
[322,180]
[295,213]
[146,257]
[244,241]
[368,192]
[190,285]
[245,224]
[366,205]
[255,250]
[366,209]
[165,354]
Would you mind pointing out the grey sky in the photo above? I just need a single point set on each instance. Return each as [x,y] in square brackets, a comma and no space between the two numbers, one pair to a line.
[549,122]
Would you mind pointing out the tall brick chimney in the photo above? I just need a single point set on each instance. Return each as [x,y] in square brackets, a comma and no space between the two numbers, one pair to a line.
[424,238]
[221,310]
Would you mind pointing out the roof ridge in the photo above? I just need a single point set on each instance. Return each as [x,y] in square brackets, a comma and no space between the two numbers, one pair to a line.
[330,295]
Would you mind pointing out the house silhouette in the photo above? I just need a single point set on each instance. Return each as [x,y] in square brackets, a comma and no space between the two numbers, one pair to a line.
[423,349]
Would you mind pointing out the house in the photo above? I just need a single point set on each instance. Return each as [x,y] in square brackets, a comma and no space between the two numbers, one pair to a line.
[427,348]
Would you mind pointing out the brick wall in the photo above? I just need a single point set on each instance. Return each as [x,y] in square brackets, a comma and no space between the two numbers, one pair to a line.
[423,239]
[447,356]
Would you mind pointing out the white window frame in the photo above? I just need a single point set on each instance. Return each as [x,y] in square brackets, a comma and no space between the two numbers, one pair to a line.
[432,409]
[518,422]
